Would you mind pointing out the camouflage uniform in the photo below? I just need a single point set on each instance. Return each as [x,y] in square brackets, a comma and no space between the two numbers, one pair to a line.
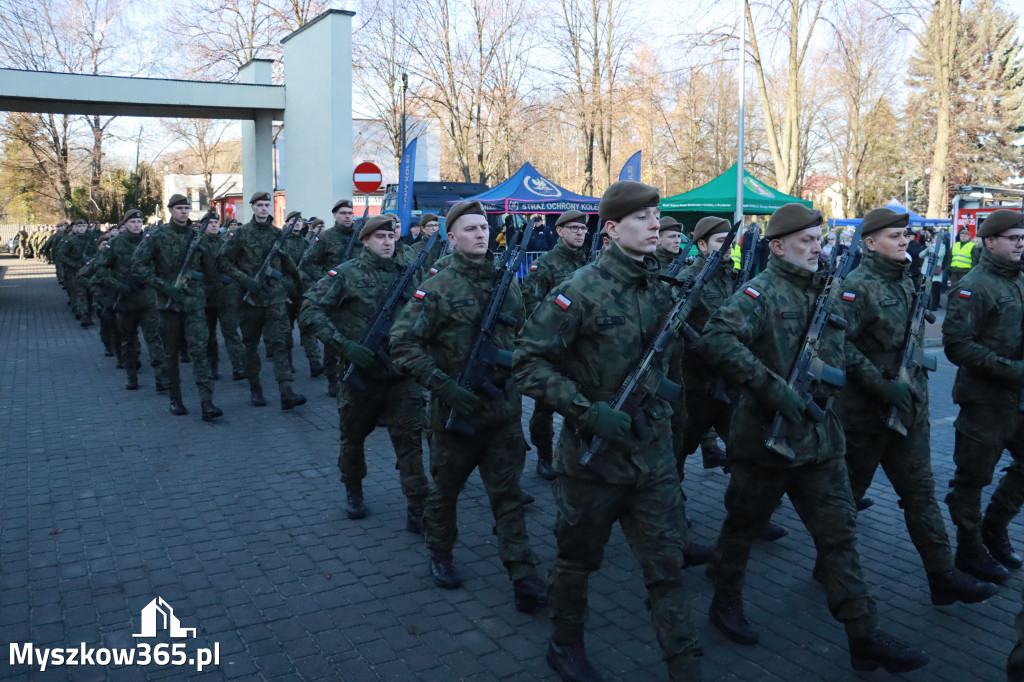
[752,339]
[294,246]
[345,303]
[437,251]
[24,248]
[982,335]
[544,274]
[877,300]
[240,257]
[219,295]
[156,262]
[103,304]
[430,340]
[135,306]
[70,254]
[46,250]
[576,350]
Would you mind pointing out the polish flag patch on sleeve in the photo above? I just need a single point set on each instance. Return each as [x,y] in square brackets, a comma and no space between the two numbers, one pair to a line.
[433,271]
[964,293]
[849,296]
[533,267]
[752,292]
[420,294]
[332,273]
[562,302]
[106,245]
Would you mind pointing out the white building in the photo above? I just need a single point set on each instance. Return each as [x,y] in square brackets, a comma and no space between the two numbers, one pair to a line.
[194,187]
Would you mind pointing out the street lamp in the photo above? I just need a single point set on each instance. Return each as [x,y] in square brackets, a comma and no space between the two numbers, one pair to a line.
[405,88]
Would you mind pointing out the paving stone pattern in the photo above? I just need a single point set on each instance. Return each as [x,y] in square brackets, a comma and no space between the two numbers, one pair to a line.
[109,501]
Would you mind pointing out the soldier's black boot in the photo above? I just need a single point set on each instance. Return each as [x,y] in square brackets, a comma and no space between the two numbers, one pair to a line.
[712,456]
[978,562]
[333,385]
[290,399]
[354,497]
[256,394]
[729,618]
[414,519]
[696,554]
[178,407]
[86,321]
[530,593]
[237,374]
[108,351]
[316,368]
[864,503]
[997,541]
[571,663]
[882,650]
[525,497]
[442,569]
[211,411]
[132,384]
[952,586]
[773,532]
[544,468]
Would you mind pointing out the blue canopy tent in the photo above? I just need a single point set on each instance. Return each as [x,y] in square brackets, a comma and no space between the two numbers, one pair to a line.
[530,192]
[915,219]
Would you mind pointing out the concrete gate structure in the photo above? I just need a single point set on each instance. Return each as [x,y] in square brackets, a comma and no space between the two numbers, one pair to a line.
[315,103]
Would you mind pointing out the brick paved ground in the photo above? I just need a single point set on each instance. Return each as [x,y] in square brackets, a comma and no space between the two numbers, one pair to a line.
[108,501]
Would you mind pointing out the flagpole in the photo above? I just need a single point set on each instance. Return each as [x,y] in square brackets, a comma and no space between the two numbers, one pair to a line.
[738,213]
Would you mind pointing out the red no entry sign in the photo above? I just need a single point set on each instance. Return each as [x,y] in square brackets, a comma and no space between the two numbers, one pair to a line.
[367,177]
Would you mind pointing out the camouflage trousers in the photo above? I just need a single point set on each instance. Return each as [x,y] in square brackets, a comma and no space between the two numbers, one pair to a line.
[820,492]
[703,413]
[232,339]
[982,433]
[78,292]
[128,324]
[542,430]
[271,323]
[230,321]
[499,453]
[651,514]
[400,403]
[191,326]
[907,463]
[307,337]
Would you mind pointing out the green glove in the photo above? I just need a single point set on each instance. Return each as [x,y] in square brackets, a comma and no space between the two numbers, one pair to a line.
[358,354]
[784,400]
[251,285]
[174,293]
[898,394]
[604,421]
[465,402]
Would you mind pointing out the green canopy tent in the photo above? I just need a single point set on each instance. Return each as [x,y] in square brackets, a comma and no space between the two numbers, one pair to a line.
[718,198]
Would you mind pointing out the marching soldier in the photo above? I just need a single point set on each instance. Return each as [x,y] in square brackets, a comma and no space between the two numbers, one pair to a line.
[602,318]
[295,246]
[70,254]
[877,302]
[229,312]
[263,314]
[157,262]
[24,248]
[982,335]
[431,340]
[544,274]
[753,340]
[429,224]
[340,308]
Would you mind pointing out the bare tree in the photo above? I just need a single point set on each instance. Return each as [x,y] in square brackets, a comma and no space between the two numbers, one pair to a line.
[204,138]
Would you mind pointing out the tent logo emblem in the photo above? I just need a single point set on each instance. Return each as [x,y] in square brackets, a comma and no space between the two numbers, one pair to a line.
[542,187]
[755,186]
[167,620]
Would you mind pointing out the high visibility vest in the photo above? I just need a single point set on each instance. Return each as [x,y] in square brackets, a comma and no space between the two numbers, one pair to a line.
[735,254]
[962,255]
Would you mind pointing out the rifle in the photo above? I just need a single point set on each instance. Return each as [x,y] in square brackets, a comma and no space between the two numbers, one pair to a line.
[184,272]
[483,354]
[265,271]
[747,261]
[644,381]
[347,253]
[376,337]
[305,252]
[913,356]
[809,369]
[596,243]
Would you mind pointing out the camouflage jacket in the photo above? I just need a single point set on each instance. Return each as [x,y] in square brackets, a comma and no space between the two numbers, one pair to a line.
[432,336]
[295,245]
[348,299]
[757,332]
[579,346]
[982,331]
[70,250]
[327,250]
[664,257]
[553,268]
[243,253]
[695,368]
[113,267]
[159,257]
[437,252]
[876,303]
[218,293]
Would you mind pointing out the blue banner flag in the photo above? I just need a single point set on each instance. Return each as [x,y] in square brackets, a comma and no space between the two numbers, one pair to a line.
[406,176]
[631,169]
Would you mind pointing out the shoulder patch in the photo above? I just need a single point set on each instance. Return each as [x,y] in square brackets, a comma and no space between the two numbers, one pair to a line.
[106,245]
[332,273]
[964,293]
[562,302]
[420,294]
[849,296]
[316,239]
[533,267]
[752,292]
[433,271]
[146,236]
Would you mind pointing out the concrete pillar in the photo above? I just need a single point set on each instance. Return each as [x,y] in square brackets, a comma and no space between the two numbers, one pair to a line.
[257,139]
[318,114]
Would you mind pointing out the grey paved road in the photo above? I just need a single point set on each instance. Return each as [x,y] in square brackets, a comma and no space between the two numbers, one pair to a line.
[108,502]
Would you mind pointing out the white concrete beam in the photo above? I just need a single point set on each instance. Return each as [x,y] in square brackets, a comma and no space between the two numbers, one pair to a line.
[257,139]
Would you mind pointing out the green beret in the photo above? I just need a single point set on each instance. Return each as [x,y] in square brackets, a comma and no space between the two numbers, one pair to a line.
[1000,221]
[384,221]
[709,226]
[881,218]
[571,216]
[177,200]
[292,215]
[134,213]
[316,224]
[260,196]
[791,218]
[463,208]
[624,197]
[428,218]
[669,224]
[341,203]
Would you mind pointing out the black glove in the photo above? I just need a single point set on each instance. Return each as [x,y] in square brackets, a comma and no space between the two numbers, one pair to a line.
[252,285]
[898,394]
[174,293]
[358,354]
[125,289]
[784,400]
[604,421]
[465,402]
